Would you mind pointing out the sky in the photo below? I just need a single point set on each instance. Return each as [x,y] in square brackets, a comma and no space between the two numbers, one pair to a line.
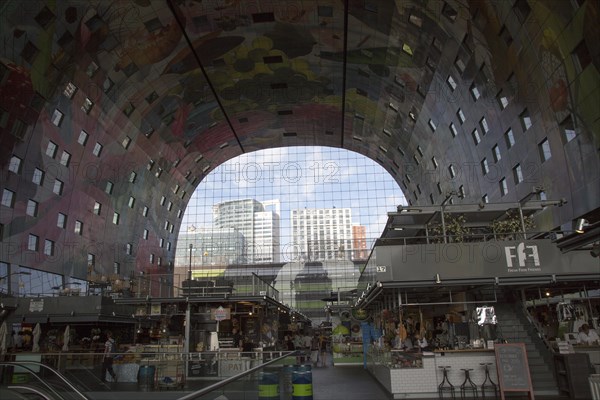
[300,177]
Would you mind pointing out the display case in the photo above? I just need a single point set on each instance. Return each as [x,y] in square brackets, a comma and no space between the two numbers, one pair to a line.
[396,359]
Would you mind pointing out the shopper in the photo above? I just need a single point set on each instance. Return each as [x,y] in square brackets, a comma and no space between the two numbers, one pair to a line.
[587,336]
[110,348]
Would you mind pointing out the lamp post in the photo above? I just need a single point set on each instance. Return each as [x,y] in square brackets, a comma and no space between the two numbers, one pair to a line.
[8,285]
[190,270]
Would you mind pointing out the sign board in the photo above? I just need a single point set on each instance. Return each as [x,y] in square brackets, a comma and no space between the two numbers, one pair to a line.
[36,305]
[513,368]
[155,309]
[221,314]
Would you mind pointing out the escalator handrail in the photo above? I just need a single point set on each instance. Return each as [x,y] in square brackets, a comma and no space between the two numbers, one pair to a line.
[40,380]
[224,382]
[29,388]
[23,364]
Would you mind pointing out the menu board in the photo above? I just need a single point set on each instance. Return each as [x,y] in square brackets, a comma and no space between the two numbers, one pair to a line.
[513,368]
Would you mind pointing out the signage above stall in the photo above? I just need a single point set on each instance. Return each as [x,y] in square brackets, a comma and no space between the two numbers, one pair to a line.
[220,313]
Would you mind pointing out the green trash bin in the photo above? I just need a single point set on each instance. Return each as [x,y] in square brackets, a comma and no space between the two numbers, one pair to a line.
[145,377]
[268,386]
[302,385]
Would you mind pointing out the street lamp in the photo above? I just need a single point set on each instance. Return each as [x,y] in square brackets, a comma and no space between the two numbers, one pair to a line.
[11,274]
[190,270]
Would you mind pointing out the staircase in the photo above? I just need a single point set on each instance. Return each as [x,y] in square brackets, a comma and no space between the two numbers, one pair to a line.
[515,327]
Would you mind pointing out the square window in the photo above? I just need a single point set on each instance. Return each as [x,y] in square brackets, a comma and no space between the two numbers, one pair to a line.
[452,171]
[128,248]
[503,187]
[70,90]
[48,247]
[97,149]
[509,138]
[544,150]
[485,199]
[51,149]
[460,64]
[525,120]
[15,164]
[132,177]
[439,187]
[151,258]
[87,105]
[150,165]
[476,137]
[8,198]
[407,49]
[107,85]
[158,172]
[65,158]
[91,259]
[91,69]
[116,218]
[131,202]
[451,82]
[502,100]
[161,242]
[434,162]
[83,137]
[568,128]
[78,228]
[61,221]
[126,142]
[461,191]
[145,211]
[145,234]
[168,246]
[32,208]
[170,206]
[97,208]
[109,187]
[461,116]
[33,242]
[38,177]
[485,128]
[475,93]
[432,125]
[496,152]
[58,187]
[415,20]
[57,117]
[116,268]
[484,166]
[453,130]
[518,174]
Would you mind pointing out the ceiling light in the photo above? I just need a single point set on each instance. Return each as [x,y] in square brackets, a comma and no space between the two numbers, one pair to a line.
[581,223]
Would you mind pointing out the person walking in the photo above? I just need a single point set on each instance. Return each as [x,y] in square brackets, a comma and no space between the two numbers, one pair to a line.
[110,348]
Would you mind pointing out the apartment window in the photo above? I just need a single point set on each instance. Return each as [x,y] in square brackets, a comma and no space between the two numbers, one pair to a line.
[65,158]
[97,149]
[32,208]
[176,189]
[91,69]
[151,258]
[70,90]
[57,117]
[496,152]
[158,172]
[434,162]
[131,202]
[87,105]
[509,138]
[97,208]
[461,191]
[502,100]
[33,242]
[109,187]
[544,150]
[485,128]
[49,247]
[170,206]
[179,213]
[91,259]
[162,200]
[51,149]
[128,249]
[432,125]
[83,137]
[145,211]
[58,187]
[161,242]
[38,177]
[116,268]
[525,120]
[451,82]
[439,187]
[503,187]
[581,56]
[150,164]
[145,236]
[61,221]
[126,142]
[475,92]
[431,200]
[461,116]
[168,246]
[132,177]
[518,174]
[476,137]
[485,199]
[568,129]
[116,218]
[78,228]
[452,171]
[485,169]
[15,164]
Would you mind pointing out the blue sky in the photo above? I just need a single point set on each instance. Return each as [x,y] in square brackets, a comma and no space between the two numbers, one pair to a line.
[311,177]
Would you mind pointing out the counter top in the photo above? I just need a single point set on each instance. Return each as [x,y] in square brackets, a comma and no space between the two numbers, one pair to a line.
[464,351]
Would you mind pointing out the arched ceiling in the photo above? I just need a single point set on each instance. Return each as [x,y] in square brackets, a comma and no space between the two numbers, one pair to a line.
[171,89]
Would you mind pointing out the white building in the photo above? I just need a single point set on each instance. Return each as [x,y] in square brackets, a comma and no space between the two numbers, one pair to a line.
[322,234]
[258,223]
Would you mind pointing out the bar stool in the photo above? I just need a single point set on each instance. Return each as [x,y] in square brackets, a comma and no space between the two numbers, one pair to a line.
[445,386]
[468,385]
[488,383]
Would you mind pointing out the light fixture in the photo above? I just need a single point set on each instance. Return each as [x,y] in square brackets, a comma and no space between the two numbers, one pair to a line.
[398,228]
[581,222]
[547,294]
[438,280]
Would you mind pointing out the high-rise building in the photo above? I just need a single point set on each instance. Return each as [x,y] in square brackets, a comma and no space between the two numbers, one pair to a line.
[359,242]
[210,246]
[321,234]
[258,222]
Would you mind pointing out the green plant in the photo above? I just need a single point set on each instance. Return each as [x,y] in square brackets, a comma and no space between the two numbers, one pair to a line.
[510,227]
[456,231]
